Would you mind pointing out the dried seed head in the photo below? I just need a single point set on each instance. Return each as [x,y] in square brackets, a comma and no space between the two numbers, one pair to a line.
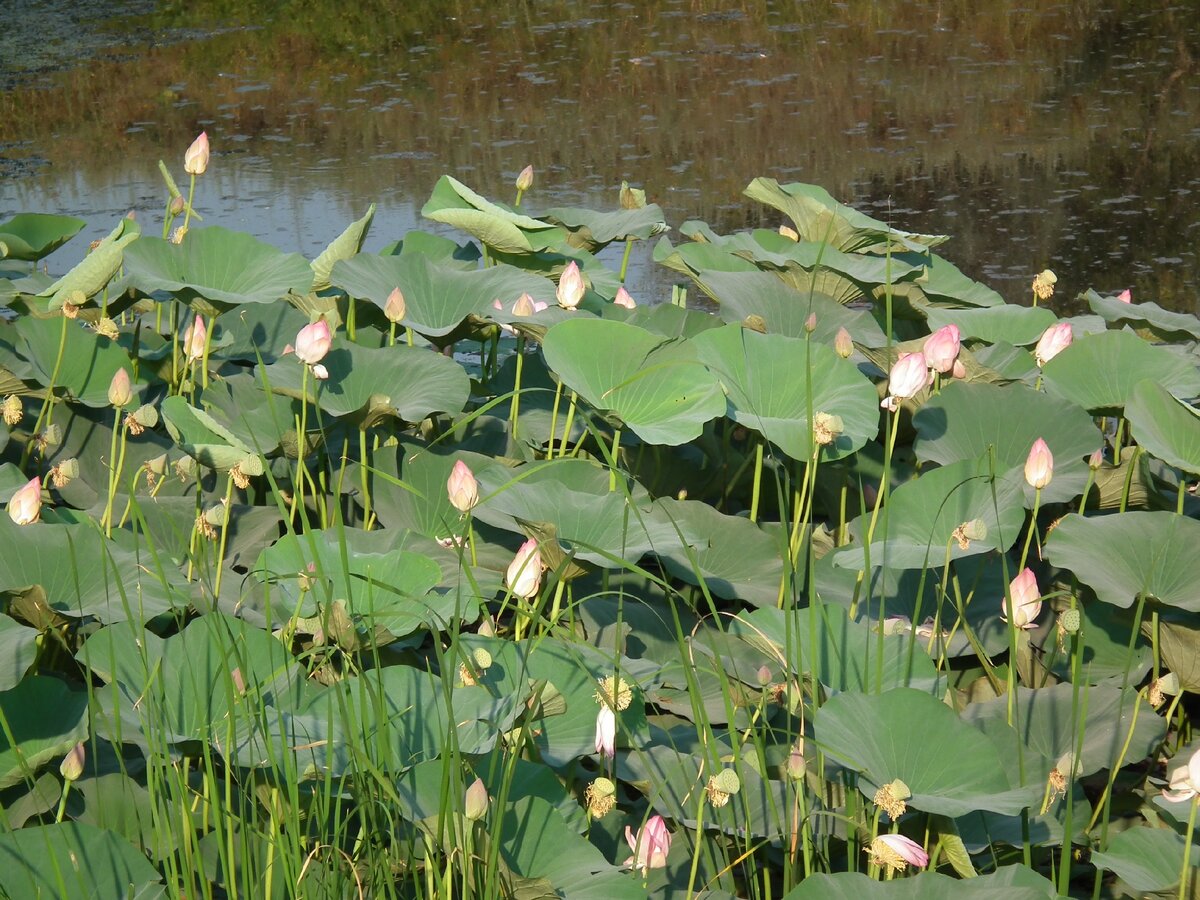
[146,415]
[204,528]
[133,425]
[890,798]
[14,410]
[601,797]
[108,328]
[1043,284]
[62,474]
[239,478]
[185,467]
[826,428]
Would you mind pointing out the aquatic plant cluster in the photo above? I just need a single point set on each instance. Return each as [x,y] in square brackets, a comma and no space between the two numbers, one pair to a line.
[456,569]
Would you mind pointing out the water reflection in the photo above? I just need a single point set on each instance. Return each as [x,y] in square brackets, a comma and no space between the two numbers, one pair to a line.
[1036,133]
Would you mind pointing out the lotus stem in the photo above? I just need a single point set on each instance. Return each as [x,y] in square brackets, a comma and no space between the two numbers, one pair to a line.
[351,318]
[301,446]
[47,410]
[1037,502]
[224,539]
[208,339]
[570,421]
[1186,871]
[116,459]
[558,388]
[625,258]
[187,210]
[756,490]
[364,476]
[612,470]
[515,406]
[699,840]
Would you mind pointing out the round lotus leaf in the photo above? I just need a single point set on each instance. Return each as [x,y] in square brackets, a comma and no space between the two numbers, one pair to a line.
[50,861]
[1131,553]
[30,236]
[43,718]
[1100,371]
[1147,859]
[1017,325]
[1149,316]
[657,387]
[1165,427]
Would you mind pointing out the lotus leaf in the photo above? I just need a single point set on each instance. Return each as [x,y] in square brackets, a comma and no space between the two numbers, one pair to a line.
[1163,323]
[1122,556]
[344,246]
[30,236]
[594,230]
[89,360]
[1009,883]
[1100,371]
[1164,426]
[1018,325]
[18,650]
[455,204]
[657,387]
[1146,859]
[75,861]
[43,718]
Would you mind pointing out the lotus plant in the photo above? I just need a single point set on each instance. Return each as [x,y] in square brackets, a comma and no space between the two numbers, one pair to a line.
[524,575]
[476,801]
[524,183]
[1054,340]
[195,162]
[650,845]
[908,376]
[896,852]
[1039,466]
[25,506]
[606,731]
[941,349]
[570,287]
[624,299]
[312,345]
[1026,600]
[462,488]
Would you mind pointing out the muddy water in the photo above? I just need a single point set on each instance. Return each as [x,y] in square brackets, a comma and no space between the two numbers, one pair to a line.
[1060,134]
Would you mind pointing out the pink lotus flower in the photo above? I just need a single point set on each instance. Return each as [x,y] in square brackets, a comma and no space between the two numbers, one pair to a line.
[194,339]
[394,309]
[525,305]
[1184,781]
[462,487]
[895,851]
[958,370]
[25,506]
[475,801]
[570,287]
[525,179]
[1026,600]
[941,349]
[650,846]
[843,344]
[908,376]
[1054,340]
[313,342]
[624,299]
[1039,466]
[1125,296]
[120,392]
[606,731]
[524,575]
[195,160]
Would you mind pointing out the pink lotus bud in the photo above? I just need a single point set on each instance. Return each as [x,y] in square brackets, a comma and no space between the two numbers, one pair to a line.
[120,392]
[843,344]
[72,765]
[194,338]
[178,205]
[810,324]
[394,309]
[908,376]
[525,179]
[1096,460]
[195,160]
[941,349]
[624,299]
[895,851]
[475,801]
[523,306]
[313,342]
[1039,466]
[1125,296]
[570,287]
[25,506]
[606,731]
[650,846]
[959,370]
[524,575]
[462,487]
[1054,340]
[1026,600]
[763,675]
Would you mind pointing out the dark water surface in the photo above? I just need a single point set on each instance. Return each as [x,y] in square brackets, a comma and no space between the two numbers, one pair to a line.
[1060,134]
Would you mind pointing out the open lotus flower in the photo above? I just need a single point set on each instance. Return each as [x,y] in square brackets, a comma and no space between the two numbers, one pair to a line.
[195,160]
[462,487]
[908,376]
[1054,340]
[1184,781]
[194,339]
[1026,600]
[896,852]
[570,287]
[313,342]
[1039,467]
[624,299]
[606,731]
[650,846]
[524,575]
[25,506]
[941,349]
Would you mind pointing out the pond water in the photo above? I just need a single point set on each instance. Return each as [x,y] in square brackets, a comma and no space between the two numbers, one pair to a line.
[1059,134]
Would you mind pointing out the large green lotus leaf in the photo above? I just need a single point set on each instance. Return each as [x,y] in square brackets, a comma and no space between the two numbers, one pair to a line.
[1008,883]
[259,331]
[950,767]
[772,382]
[455,204]
[1100,371]
[1165,427]
[18,650]
[1106,631]
[846,656]
[437,297]
[82,575]
[75,861]
[344,246]
[92,274]
[571,499]
[1018,325]
[1121,556]
[1179,644]
[435,248]
[656,386]
[201,436]
[733,557]
[965,419]
[699,256]
[673,321]
[215,269]
[785,309]
[30,236]
[593,230]
[944,284]
[924,513]
[43,718]
[239,406]
[89,360]
[409,383]
[818,217]
[1045,723]
[115,802]
[1146,859]
[1162,323]
[182,688]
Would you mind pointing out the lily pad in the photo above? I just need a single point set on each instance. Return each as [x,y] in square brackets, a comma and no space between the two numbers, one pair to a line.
[30,236]
[1017,325]
[43,718]
[1164,426]
[1124,555]
[74,861]
[453,203]
[1146,859]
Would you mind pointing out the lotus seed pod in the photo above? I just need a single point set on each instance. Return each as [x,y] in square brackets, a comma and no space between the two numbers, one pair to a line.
[52,436]
[158,465]
[727,780]
[483,659]
[14,410]
[251,464]
[601,797]
[217,515]
[1168,683]
[1071,621]
[975,530]
[185,468]
[106,327]
[146,415]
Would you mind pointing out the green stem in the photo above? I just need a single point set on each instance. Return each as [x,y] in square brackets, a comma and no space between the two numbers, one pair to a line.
[187,211]
[47,410]
[1184,873]
[515,406]
[567,425]
[1037,502]
[224,540]
[625,258]
[756,491]
[114,472]
[699,843]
